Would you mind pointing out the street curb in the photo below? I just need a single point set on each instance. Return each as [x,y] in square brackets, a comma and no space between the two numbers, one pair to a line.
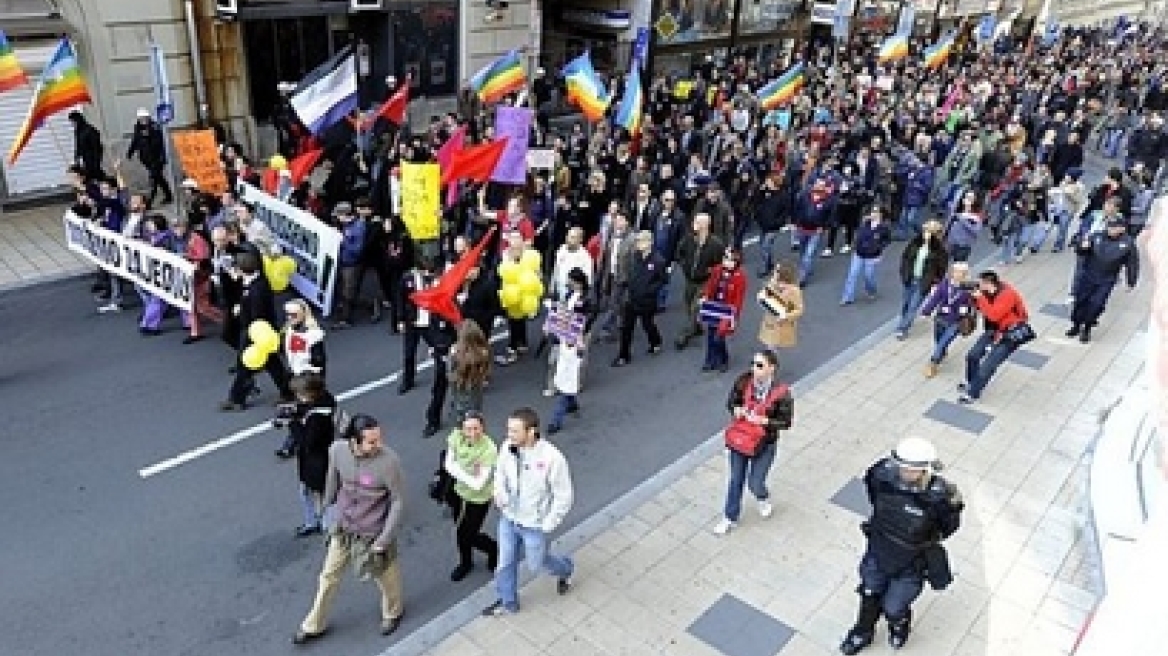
[46,279]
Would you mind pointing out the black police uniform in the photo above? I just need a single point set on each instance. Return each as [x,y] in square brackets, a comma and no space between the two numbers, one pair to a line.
[1102,258]
[904,534]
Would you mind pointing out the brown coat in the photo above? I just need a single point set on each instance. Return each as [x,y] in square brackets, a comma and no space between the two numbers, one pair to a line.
[781,333]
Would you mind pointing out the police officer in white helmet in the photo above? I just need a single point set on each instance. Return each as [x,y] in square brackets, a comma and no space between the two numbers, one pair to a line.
[913,510]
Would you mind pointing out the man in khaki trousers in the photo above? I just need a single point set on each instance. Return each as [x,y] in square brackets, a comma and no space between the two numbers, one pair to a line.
[364,489]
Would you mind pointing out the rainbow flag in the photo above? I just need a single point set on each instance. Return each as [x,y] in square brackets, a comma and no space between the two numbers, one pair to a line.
[781,91]
[632,106]
[937,54]
[893,49]
[503,76]
[61,87]
[585,88]
[11,74]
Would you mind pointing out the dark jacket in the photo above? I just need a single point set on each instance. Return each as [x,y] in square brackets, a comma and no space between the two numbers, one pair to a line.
[440,329]
[646,278]
[87,147]
[148,145]
[696,261]
[667,227]
[313,432]
[768,209]
[257,302]
[872,240]
[936,262]
[481,303]
[779,415]
[1104,256]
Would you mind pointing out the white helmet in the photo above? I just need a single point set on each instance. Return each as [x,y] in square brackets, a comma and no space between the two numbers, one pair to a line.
[916,453]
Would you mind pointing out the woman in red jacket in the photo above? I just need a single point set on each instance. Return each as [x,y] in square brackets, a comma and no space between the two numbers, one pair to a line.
[1003,309]
[727,286]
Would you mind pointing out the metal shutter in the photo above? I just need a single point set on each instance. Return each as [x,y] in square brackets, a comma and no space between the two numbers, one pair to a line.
[49,152]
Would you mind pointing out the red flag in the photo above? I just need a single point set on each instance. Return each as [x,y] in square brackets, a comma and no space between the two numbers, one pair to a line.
[445,154]
[303,164]
[394,109]
[270,180]
[439,299]
[474,163]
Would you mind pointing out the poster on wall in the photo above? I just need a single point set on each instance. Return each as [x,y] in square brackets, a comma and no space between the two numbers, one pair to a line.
[686,21]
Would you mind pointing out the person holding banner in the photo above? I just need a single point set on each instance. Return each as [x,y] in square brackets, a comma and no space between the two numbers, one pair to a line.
[257,302]
[720,307]
[155,233]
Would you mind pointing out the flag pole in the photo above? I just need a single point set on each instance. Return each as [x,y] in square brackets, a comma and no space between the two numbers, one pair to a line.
[162,98]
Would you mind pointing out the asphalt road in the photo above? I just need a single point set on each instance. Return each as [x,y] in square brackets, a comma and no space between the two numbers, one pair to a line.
[200,559]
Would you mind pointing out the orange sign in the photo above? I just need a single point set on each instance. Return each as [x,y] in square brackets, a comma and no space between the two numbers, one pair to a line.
[199,156]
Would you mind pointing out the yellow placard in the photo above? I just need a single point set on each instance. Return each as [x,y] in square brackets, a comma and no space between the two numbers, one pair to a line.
[420,199]
[682,88]
[199,156]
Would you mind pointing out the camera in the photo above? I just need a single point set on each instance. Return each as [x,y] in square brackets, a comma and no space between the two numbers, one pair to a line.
[285,413]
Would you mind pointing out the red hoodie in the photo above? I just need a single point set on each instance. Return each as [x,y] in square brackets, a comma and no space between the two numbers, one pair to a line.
[1004,310]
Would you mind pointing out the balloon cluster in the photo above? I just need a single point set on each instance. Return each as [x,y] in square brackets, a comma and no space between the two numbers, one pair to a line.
[277,163]
[521,287]
[279,269]
[264,342]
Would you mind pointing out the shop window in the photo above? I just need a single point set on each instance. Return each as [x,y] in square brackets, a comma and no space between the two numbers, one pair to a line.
[765,16]
[426,46]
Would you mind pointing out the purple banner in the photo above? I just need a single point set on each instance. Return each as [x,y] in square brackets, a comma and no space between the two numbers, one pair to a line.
[568,327]
[514,122]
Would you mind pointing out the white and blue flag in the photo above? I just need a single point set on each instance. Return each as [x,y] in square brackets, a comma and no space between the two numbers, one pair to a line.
[328,93]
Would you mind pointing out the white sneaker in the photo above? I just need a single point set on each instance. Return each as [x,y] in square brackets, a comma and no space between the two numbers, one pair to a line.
[765,508]
[549,392]
[826,253]
[1071,299]
[109,307]
[845,250]
[723,526]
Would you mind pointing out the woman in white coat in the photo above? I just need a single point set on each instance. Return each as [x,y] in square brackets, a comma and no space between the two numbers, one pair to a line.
[570,353]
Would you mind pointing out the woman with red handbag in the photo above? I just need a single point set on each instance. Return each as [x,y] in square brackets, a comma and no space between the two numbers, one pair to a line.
[721,305]
[760,406]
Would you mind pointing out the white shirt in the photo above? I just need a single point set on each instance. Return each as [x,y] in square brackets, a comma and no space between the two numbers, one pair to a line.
[423,318]
[614,253]
[566,260]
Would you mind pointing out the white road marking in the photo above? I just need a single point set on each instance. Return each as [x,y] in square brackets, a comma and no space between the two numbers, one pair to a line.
[250,432]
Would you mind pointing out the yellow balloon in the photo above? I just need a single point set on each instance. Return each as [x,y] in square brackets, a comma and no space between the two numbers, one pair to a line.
[254,358]
[530,260]
[286,265]
[509,272]
[270,343]
[278,271]
[261,332]
[529,306]
[277,162]
[509,296]
[529,284]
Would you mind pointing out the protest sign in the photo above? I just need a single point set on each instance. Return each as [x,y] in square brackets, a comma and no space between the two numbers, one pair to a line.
[514,123]
[166,275]
[198,154]
[566,326]
[419,199]
[541,159]
[315,245]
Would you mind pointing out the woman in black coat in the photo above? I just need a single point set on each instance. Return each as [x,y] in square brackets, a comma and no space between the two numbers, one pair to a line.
[313,430]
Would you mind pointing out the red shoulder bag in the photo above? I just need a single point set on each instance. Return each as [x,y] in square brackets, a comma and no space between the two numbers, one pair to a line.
[744,436]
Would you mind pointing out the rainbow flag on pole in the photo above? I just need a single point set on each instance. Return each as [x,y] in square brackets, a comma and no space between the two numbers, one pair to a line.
[61,87]
[11,74]
[937,54]
[503,76]
[632,107]
[585,88]
[893,49]
[782,91]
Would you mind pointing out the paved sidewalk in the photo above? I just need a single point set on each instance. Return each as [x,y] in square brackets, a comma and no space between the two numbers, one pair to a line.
[32,248]
[653,579]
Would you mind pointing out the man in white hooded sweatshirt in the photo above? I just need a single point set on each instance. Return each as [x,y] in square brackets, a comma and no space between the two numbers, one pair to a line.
[533,491]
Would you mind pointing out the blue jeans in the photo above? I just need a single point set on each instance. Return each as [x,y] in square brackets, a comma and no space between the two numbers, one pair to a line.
[860,266]
[1062,225]
[909,223]
[748,470]
[808,252]
[534,543]
[1010,247]
[767,244]
[910,305]
[1111,142]
[896,590]
[717,350]
[943,336]
[310,505]
[565,403]
[983,360]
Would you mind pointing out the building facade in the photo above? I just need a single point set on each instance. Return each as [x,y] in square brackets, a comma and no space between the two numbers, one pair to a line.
[224,59]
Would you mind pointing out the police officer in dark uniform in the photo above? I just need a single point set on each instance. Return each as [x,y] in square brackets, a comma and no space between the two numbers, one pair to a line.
[913,509]
[284,120]
[1103,254]
[418,325]
[148,144]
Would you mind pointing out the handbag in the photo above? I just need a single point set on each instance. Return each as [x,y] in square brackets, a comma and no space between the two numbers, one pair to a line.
[966,325]
[1019,334]
[745,437]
